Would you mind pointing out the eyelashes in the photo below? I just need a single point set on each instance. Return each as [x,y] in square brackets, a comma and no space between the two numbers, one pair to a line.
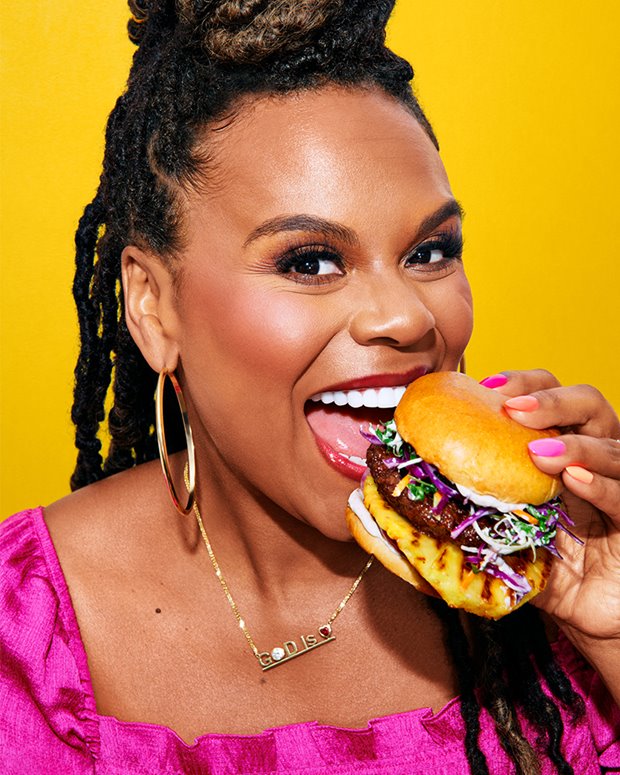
[312,264]
[433,254]
[320,263]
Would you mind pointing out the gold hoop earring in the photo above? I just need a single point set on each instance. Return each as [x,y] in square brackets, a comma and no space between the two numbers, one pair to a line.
[161,441]
[462,365]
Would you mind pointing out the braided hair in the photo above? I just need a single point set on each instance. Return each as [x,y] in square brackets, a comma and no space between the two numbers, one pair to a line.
[195,61]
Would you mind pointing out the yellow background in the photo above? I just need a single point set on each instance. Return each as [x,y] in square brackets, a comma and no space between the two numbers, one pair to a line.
[524,99]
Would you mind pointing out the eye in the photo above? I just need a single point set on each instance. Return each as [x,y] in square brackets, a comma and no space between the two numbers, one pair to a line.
[311,264]
[437,253]
[315,265]
[427,255]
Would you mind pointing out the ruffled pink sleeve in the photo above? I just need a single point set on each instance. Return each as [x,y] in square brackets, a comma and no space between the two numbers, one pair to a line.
[48,722]
[602,713]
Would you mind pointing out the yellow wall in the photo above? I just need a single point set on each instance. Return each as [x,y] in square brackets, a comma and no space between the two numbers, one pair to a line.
[524,98]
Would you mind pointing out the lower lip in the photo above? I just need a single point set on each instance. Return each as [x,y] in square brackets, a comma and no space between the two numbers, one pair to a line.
[339,462]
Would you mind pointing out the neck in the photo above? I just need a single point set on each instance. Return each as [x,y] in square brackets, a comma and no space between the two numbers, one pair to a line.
[263,551]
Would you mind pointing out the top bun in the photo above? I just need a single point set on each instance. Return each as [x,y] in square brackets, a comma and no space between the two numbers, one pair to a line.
[461,427]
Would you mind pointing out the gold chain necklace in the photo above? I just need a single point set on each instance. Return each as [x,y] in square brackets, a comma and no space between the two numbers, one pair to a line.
[290,649]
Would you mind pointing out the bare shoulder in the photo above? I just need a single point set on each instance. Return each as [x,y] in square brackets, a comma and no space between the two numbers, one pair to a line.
[125,560]
[92,527]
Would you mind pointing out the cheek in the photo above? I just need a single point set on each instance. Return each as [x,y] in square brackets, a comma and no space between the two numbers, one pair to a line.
[249,343]
[454,320]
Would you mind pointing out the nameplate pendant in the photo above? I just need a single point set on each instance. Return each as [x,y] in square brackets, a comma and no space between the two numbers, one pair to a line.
[291,649]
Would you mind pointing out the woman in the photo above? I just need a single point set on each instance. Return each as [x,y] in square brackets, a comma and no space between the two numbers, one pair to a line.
[274,223]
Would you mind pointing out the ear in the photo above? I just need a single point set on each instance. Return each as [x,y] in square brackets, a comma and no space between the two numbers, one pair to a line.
[149,307]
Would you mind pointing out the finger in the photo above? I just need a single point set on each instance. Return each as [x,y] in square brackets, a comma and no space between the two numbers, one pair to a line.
[601,491]
[579,407]
[516,383]
[595,456]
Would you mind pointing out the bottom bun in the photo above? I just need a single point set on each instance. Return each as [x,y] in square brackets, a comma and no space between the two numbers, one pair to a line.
[393,559]
[442,565]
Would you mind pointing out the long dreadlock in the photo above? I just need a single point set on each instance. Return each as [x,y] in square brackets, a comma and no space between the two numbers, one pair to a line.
[195,60]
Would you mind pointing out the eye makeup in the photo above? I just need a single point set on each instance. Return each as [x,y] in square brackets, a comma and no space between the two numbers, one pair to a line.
[319,263]
[311,264]
[438,252]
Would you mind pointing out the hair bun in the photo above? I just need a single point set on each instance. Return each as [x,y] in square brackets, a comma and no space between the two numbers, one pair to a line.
[234,31]
[249,31]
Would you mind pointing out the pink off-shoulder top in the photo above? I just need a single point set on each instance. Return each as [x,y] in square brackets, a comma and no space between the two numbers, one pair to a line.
[49,724]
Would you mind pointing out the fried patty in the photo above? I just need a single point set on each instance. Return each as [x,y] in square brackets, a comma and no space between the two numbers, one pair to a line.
[420,513]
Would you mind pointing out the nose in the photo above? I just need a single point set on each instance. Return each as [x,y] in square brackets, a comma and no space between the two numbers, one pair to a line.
[391,313]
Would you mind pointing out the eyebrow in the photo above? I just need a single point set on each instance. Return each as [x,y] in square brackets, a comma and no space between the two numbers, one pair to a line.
[340,232]
[432,221]
[304,223]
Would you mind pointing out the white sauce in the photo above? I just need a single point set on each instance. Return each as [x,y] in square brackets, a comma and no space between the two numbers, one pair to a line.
[356,502]
[488,501]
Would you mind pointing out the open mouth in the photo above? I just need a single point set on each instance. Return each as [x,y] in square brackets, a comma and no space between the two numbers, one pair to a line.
[337,419]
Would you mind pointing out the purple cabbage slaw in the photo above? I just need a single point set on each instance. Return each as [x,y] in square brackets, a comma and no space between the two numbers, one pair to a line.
[508,532]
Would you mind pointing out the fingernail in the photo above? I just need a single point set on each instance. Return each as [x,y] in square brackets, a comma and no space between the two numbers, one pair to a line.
[580,474]
[547,447]
[494,381]
[523,403]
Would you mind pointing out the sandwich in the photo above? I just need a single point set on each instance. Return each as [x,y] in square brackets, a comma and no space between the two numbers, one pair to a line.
[451,501]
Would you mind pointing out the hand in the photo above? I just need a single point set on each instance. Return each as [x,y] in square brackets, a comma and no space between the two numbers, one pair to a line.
[583,593]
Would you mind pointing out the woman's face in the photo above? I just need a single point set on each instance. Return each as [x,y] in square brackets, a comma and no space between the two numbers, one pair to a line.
[324,256]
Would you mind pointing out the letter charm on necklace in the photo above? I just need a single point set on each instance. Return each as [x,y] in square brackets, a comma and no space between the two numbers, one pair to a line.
[290,648]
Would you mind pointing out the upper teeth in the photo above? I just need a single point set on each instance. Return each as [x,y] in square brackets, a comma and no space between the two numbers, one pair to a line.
[381,398]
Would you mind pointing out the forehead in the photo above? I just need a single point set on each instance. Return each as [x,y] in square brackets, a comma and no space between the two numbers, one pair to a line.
[337,153]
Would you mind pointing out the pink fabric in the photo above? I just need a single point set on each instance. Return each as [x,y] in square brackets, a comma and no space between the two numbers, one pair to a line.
[49,722]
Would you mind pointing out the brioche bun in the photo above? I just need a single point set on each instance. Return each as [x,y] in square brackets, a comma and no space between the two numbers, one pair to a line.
[440,567]
[461,427]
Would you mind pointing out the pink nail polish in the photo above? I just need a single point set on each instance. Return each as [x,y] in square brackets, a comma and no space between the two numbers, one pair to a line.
[494,381]
[547,447]
[523,403]
[580,473]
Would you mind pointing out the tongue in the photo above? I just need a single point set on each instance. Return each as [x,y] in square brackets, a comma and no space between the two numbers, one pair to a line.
[339,426]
